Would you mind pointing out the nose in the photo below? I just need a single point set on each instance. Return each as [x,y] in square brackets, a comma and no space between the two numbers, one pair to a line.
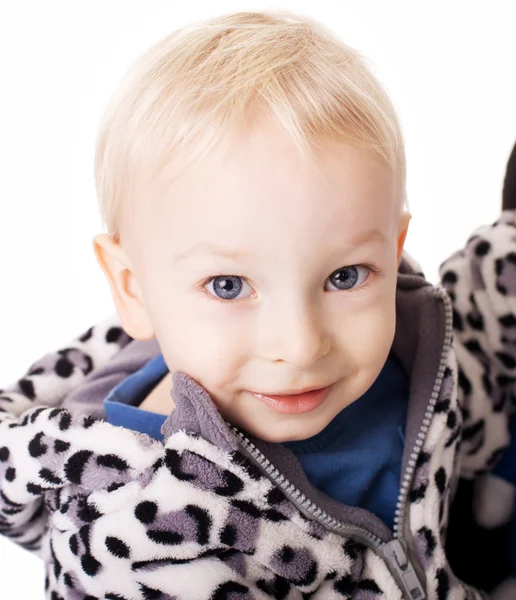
[293,333]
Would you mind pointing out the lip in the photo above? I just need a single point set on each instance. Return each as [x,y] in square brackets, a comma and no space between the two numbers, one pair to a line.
[291,392]
[297,403]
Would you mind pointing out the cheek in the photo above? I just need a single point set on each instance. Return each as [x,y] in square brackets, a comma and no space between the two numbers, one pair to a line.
[376,335]
[368,329]
[210,347]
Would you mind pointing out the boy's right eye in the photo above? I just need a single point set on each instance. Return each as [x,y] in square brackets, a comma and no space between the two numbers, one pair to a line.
[226,287]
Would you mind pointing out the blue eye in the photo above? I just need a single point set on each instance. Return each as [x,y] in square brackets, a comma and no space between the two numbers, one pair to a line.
[346,278]
[226,287]
[229,287]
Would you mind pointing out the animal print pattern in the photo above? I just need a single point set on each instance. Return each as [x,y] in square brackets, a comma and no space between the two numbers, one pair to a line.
[481,283]
[118,515]
[47,381]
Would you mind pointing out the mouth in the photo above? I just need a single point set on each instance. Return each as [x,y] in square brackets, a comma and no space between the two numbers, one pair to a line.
[292,392]
[297,402]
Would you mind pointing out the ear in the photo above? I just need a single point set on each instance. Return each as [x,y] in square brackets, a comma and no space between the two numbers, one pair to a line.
[403,229]
[124,286]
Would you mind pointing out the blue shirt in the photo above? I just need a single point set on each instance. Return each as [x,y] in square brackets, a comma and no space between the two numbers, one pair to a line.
[355,459]
[121,404]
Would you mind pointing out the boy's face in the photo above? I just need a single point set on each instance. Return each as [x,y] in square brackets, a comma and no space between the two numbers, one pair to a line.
[258,272]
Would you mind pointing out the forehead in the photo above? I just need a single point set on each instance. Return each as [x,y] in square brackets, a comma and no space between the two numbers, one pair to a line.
[257,185]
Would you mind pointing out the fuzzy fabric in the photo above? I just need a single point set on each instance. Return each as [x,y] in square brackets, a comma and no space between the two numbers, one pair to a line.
[204,515]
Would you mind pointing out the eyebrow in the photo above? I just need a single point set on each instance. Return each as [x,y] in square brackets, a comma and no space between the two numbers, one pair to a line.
[208,248]
[374,235]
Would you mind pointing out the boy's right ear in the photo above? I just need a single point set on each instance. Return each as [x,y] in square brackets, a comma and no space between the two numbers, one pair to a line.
[125,288]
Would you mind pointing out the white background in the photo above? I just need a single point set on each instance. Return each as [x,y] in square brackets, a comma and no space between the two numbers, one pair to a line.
[449,65]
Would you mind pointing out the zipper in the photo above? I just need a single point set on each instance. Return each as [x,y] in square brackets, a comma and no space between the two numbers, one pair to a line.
[401,505]
[395,553]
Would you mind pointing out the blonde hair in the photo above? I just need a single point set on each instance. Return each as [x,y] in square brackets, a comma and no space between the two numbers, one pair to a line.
[185,92]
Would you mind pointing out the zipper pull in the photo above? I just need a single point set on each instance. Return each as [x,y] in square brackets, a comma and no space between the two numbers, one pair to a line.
[397,558]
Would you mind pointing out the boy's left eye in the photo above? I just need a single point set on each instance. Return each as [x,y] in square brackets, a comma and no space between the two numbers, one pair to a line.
[346,278]
[229,287]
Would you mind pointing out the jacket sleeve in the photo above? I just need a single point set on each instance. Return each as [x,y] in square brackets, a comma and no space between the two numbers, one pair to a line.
[481,282]
[35,398]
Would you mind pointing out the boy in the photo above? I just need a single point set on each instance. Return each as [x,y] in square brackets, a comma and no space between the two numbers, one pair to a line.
[251,175]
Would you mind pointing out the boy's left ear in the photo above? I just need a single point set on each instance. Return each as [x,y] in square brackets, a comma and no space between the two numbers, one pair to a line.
[403,229]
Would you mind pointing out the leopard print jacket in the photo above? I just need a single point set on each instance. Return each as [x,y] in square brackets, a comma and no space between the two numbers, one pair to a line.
[210,513]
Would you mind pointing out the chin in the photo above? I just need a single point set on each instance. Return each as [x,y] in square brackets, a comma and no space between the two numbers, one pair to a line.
[280,435]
